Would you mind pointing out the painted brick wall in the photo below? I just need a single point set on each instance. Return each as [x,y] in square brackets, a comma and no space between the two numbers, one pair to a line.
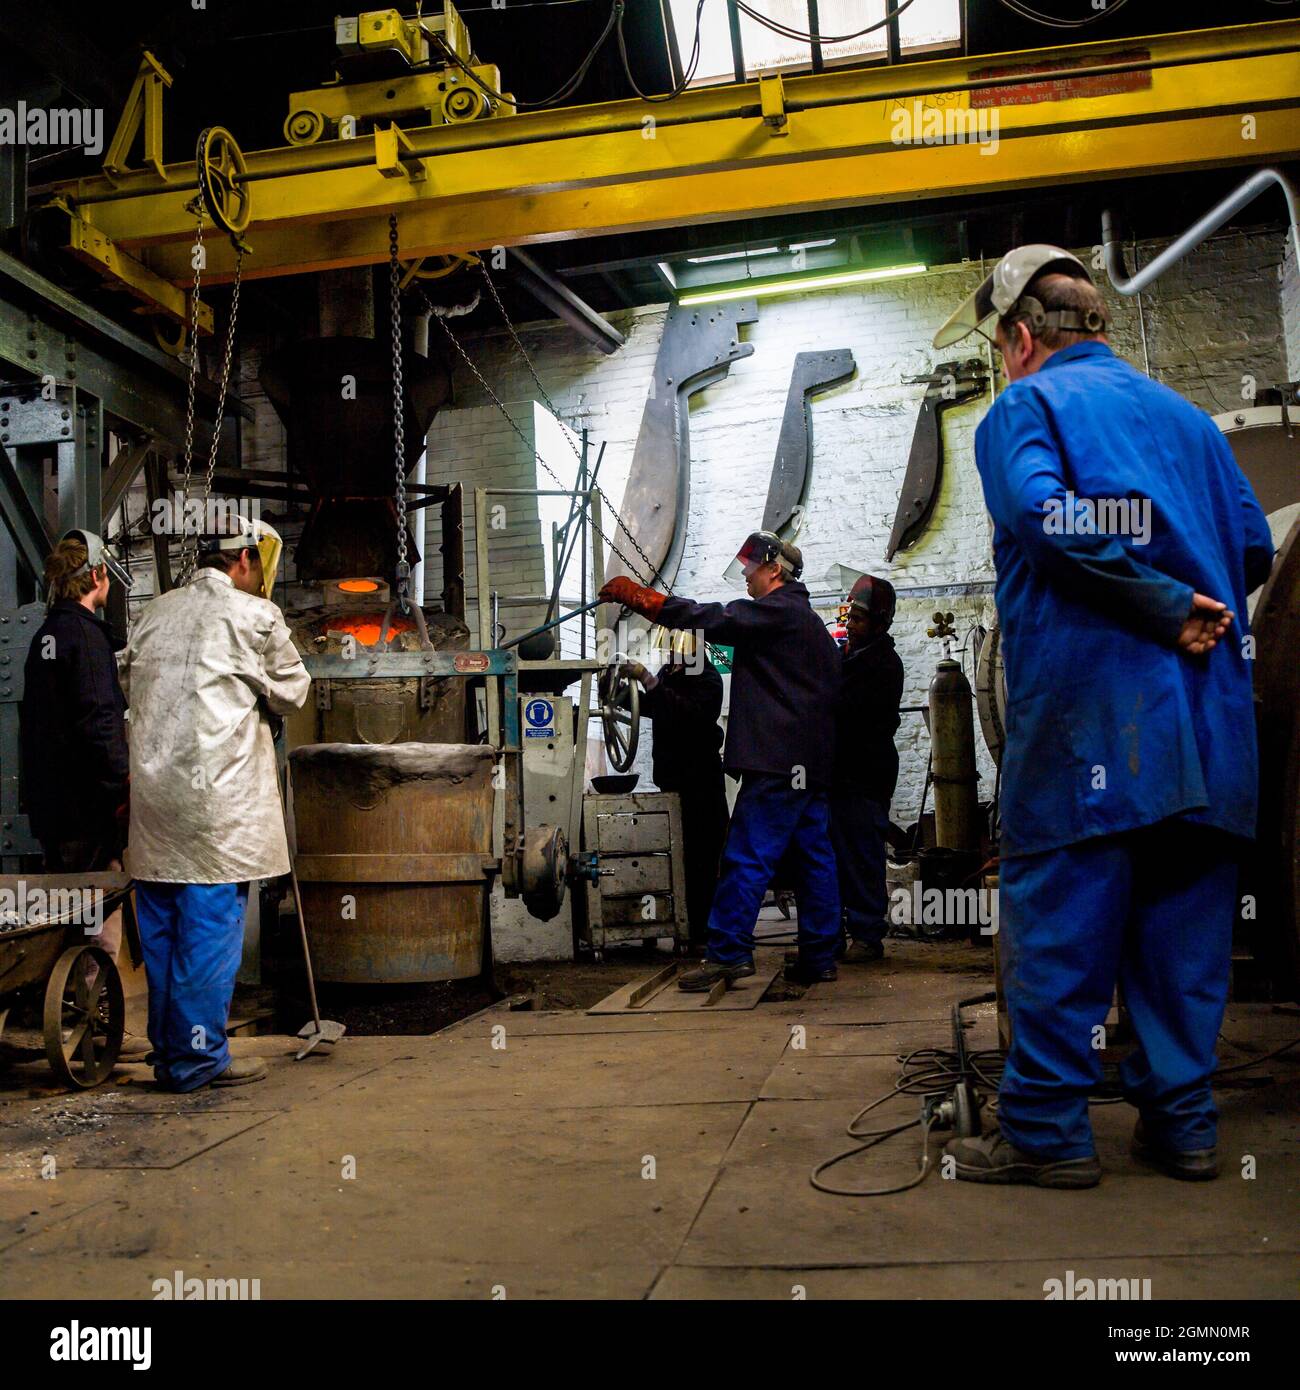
[1291,310]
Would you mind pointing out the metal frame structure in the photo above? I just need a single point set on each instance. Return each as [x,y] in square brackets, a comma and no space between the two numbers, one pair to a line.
[503,703]
[826,140]
[69,376]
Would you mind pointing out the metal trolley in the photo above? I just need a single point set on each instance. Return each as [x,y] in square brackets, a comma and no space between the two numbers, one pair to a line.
[83,1012]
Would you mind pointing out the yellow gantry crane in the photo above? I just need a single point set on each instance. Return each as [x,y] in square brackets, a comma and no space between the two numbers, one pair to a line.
[442,148]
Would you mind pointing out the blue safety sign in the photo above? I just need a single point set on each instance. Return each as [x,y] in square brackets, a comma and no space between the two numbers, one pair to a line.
[539,715]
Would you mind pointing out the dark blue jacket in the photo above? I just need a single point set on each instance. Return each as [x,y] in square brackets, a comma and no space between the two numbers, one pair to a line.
[74,754]
[1109,725]
[866,719]
[783,682]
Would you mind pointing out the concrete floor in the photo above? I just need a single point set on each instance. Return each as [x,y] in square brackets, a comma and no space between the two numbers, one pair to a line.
[521,1168]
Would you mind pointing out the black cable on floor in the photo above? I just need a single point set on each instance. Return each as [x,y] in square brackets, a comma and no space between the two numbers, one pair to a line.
[942,1077]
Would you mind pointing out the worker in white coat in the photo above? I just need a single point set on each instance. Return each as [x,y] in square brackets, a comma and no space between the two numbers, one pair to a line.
[206,668]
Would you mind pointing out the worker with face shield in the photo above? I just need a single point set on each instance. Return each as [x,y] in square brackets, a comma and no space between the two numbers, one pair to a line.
[683,701]
[207,668]
[1126,540]
[866,765]
[780,744]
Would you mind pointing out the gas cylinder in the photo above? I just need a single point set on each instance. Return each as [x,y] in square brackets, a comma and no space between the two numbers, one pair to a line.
[952,738]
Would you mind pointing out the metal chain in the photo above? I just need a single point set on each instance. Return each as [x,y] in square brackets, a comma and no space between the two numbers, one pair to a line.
[190,391]
[190,544]
[492,395]
[550,405]
[399,424]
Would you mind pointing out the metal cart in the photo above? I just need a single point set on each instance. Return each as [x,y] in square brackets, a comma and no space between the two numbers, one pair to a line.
[83,1012]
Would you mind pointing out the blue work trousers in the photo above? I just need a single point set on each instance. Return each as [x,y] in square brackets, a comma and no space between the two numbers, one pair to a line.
[771,817]
[192,935]
[1152,909]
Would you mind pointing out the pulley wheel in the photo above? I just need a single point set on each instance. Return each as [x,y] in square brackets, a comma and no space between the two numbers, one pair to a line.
[543,871]
[620,715]
[221,169]
[304,127]
[85,1016]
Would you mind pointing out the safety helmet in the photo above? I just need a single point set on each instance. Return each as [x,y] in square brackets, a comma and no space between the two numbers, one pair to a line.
[875,598]
[761,548]
[245,533]
[1004,289]
[97,554]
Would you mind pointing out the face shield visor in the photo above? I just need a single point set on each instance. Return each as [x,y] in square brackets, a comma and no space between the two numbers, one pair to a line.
[762,548]
[259,536]
[875,599]
[1003,286]
[675,646]
[97,554]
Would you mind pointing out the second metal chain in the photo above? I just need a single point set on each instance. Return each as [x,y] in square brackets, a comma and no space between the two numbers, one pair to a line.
[190,543]
[549,403]
[399,423]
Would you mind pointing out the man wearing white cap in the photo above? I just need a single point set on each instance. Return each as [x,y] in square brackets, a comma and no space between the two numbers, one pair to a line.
[207,666]
[1126,541]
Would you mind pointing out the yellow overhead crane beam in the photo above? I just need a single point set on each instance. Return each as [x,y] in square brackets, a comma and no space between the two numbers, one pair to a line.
[847,138]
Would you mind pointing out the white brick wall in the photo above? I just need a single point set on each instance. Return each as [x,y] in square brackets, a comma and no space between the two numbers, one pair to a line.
[1290,278]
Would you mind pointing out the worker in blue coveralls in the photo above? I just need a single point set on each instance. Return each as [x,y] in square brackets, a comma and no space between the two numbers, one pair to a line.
[1126,541]
[780,744]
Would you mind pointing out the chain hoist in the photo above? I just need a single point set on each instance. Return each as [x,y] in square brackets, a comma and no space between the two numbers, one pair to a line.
[220,165]
[399,424]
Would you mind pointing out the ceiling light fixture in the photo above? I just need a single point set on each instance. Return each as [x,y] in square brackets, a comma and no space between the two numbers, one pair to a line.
[796,284]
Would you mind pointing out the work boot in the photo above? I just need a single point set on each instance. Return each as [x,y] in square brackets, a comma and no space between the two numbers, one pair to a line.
[134,1048]
[798,972]
[705,976]
[862,953]
[1191,1165]
[241,1072]
[993,1158]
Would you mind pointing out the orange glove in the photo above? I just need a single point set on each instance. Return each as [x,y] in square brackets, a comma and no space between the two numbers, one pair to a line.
[639,599]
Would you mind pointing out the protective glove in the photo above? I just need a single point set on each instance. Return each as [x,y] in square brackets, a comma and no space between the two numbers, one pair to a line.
[639,599]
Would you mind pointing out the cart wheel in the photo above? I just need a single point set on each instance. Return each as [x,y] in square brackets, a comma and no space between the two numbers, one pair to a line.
[85,1016]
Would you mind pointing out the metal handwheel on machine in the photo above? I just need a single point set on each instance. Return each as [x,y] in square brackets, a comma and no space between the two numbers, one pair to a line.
[620,715]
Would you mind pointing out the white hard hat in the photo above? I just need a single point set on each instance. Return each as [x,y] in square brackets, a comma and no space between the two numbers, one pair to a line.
[1004,285]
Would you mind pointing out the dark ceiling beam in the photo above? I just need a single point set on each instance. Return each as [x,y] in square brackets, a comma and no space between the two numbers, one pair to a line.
[562,301]
[65,53]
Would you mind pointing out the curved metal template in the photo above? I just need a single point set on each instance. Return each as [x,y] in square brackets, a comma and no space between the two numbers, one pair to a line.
[697,349]
[951,383]
[792,468]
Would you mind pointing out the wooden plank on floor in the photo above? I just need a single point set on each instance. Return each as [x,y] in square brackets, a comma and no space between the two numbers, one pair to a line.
[658,993]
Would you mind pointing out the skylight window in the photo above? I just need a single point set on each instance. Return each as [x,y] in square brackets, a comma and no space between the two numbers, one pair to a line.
[921,26]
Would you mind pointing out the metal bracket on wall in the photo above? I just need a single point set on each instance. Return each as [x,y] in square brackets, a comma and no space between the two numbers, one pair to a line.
[697,349]
[951,383]
[792,468]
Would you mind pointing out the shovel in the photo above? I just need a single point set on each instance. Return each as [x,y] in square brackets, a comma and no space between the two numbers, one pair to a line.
[320,1032]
